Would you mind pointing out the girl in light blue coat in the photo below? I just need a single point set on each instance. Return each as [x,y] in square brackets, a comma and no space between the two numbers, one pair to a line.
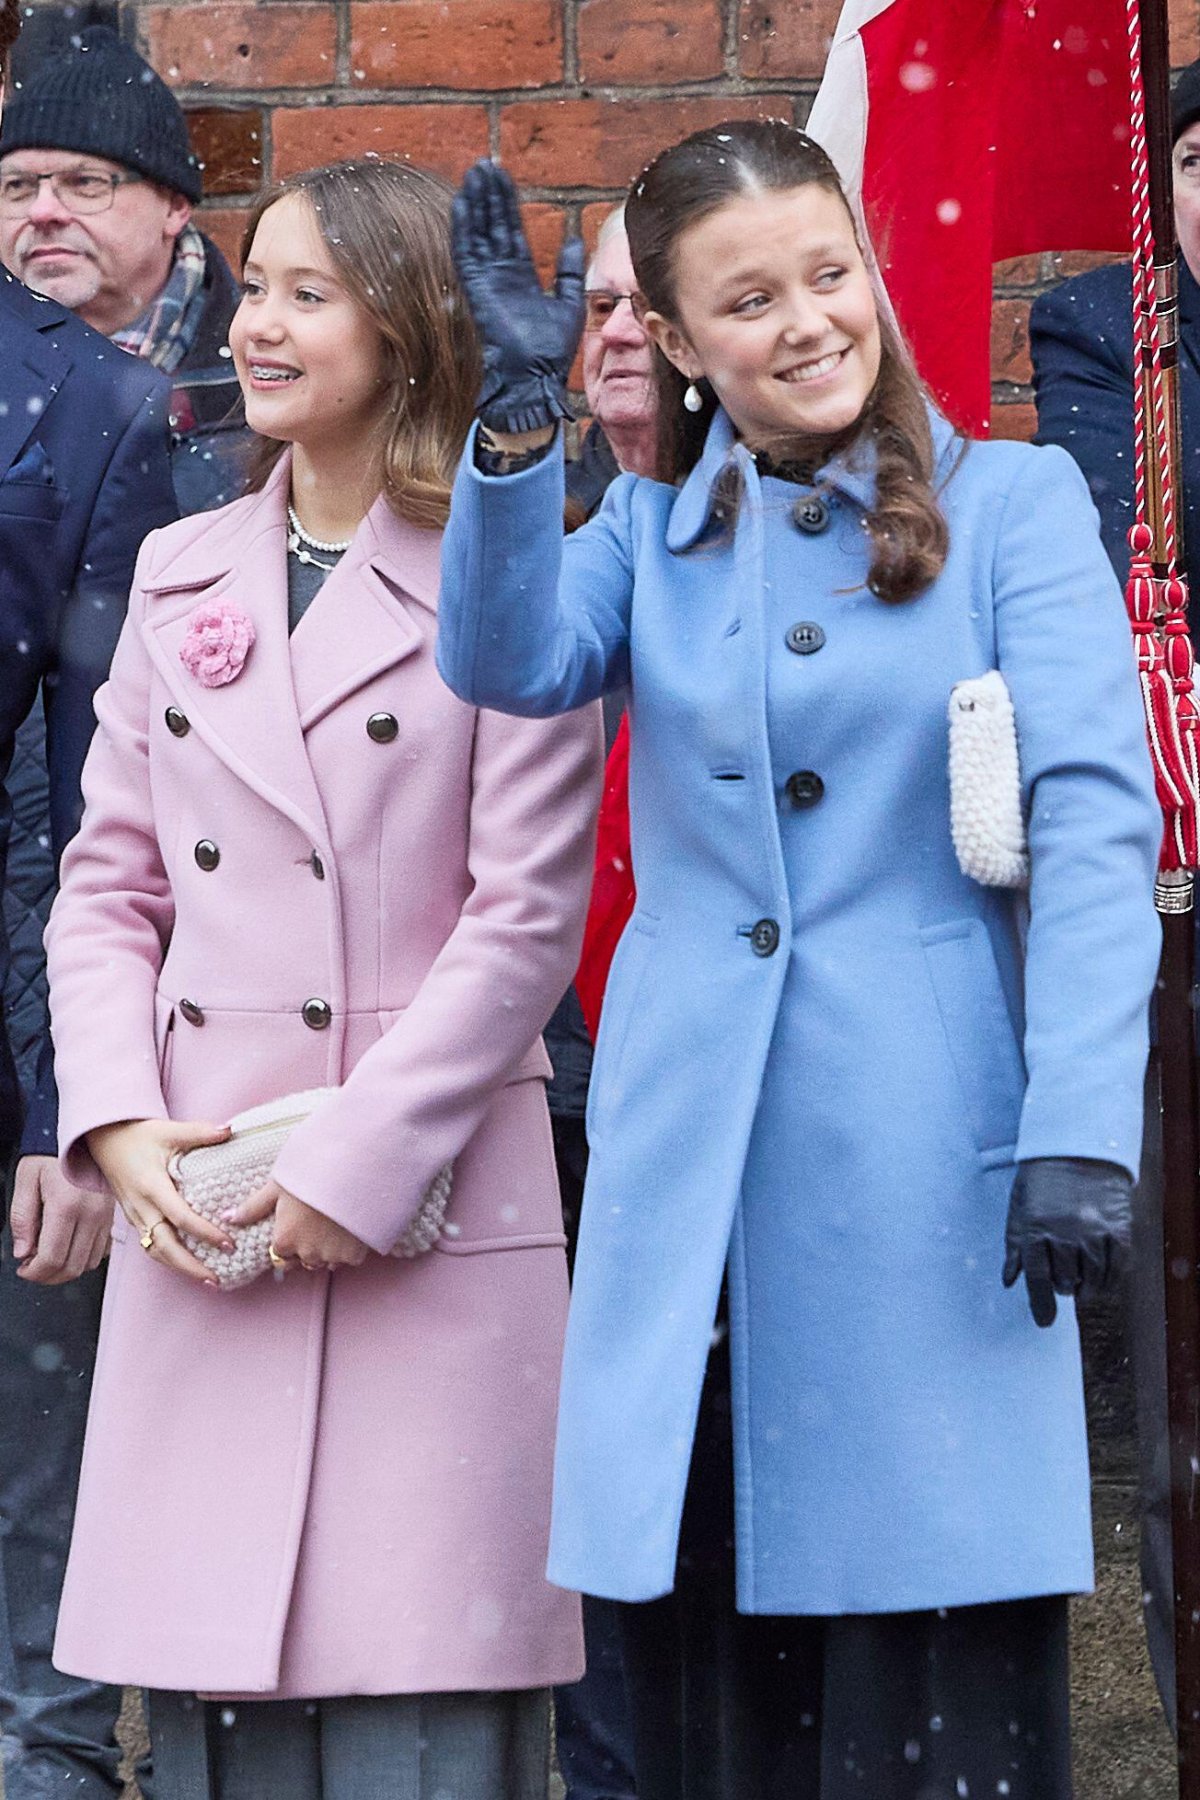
[836,1469]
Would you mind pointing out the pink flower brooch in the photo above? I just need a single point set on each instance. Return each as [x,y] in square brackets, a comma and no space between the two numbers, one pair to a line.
[219,639]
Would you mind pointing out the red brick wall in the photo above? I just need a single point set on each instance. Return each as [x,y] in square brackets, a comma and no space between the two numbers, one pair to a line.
[574,94]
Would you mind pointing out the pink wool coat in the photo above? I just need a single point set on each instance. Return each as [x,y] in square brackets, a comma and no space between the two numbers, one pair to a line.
[326,1484]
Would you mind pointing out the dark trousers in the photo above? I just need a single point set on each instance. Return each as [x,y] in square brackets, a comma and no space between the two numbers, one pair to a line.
[58,1731]
[901,1706]
[1145,1297]
[595,1754]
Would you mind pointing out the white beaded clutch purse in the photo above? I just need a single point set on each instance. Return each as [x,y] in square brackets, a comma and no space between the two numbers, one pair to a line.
[215,1177]
[986,821]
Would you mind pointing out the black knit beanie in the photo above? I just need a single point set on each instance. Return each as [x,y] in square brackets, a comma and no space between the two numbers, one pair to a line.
[1185,101]
[100,98]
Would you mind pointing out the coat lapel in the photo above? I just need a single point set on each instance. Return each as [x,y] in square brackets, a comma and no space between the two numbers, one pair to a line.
[692,505]
[252,722]
[363,622]
[36,368]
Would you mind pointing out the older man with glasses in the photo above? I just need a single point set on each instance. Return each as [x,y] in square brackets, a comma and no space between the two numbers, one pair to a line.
[97,185]
[617,376]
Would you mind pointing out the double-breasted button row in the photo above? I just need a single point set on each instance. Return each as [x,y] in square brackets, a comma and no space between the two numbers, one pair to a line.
[805,788]
[316,1013]
[208,855]
[382,727]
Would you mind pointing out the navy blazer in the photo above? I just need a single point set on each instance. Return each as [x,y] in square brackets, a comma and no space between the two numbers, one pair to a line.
[85,473]
[1081,337]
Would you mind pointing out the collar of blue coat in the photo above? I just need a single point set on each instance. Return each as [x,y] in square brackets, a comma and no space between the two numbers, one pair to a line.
[852,473]
[406,555]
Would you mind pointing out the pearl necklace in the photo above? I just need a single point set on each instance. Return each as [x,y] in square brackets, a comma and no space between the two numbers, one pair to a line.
[301,544]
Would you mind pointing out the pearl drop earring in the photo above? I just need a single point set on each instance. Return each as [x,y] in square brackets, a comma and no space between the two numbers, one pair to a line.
[692,398]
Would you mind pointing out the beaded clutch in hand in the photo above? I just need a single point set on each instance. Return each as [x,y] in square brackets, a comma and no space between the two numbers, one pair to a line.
[216,1177]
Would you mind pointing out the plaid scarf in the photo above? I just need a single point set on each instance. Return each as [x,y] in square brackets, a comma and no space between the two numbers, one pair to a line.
[167,329]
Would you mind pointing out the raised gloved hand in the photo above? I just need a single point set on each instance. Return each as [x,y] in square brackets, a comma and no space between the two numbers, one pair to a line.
[1068,1229]
[529,337]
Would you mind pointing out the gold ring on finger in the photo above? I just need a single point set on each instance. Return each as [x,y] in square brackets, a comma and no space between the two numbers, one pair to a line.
[277,1261]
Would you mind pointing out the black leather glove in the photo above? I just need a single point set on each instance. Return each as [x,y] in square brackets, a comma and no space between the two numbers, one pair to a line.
[529,337]
[1068,1229]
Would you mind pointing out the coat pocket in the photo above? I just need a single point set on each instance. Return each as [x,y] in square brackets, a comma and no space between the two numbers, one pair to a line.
[164,1042]
[31,500]
[449,1245]
[980,1035]
[623,997]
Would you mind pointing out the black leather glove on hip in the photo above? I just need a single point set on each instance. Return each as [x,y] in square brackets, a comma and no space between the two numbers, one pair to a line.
[529,337]
[1068,1229]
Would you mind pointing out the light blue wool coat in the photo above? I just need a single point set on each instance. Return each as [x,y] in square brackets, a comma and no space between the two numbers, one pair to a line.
[836,1121]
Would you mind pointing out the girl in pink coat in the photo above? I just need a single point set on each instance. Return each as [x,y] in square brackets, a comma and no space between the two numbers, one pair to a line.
[321,1501]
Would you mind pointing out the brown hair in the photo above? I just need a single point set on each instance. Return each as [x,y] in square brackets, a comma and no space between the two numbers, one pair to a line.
[386,226]
[686,183]
[10,25]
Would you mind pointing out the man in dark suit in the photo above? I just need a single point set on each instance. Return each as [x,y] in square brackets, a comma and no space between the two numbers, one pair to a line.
[1082,342]
[1081,336]
[84,474]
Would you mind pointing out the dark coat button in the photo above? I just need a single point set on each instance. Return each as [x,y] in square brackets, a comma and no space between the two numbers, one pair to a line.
[317,866]
[811,515]
[804,637]
[177,722]
[316,1014]
[764,937]
[191,1012]
[382,727]
[805,787]
[207,855]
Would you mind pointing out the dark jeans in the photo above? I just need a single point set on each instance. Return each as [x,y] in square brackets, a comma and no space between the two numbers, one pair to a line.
[595,1752]
[58,1731]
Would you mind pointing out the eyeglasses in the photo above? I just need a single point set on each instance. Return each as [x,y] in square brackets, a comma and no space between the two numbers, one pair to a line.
[77,190]
[601,304]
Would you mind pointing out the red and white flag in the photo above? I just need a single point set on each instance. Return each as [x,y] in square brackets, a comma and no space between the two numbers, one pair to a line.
[971,131]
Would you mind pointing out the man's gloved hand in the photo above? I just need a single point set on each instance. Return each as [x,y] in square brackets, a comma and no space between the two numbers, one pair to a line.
[529,337]
[1068,1229]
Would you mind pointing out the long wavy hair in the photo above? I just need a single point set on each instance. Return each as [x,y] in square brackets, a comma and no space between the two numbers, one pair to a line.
[907,528]
[10,25]
[386,226]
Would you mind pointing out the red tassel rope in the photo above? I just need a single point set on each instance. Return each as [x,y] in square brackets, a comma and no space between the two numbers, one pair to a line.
[1158,604]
